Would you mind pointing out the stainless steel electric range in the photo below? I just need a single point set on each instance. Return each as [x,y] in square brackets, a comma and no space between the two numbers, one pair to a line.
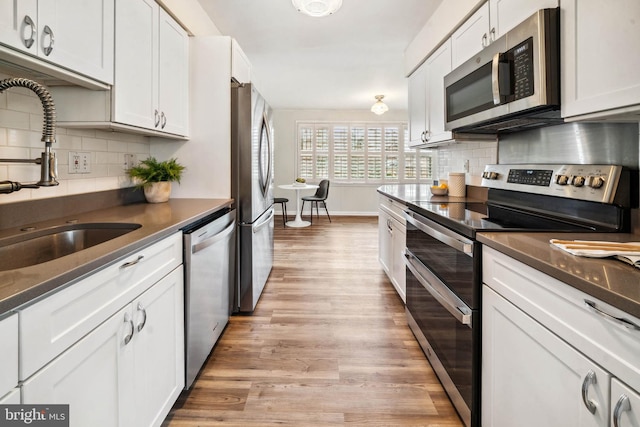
[443,258]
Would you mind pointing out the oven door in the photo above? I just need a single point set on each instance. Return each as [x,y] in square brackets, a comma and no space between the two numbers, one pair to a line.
[442,278]
[442,324]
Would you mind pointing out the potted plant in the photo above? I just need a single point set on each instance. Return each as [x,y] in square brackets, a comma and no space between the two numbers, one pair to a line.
[155,177]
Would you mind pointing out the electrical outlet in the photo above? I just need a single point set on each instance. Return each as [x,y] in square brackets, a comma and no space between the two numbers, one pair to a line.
[79,162]
[129,161]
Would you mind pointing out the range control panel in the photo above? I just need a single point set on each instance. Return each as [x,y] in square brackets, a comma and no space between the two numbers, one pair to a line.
[596,183]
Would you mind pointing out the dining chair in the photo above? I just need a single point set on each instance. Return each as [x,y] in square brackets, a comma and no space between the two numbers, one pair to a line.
[321,196]
[283,202]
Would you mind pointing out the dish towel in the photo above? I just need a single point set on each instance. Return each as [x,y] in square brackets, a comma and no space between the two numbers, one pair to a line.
[628,252]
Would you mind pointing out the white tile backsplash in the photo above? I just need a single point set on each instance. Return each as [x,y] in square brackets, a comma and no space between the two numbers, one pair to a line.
[21,121]
[451,158]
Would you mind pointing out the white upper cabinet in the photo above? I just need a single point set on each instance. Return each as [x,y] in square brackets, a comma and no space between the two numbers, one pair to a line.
[417,105]
[152,55]
[600,59]
[73,34]
[426,98]
[492,20]
[173,76]
[471,37]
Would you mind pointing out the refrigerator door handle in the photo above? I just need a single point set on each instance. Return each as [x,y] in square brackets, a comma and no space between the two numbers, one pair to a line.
[260,225]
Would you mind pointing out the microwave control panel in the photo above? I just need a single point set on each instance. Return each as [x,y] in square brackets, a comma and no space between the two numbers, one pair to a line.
[522,72]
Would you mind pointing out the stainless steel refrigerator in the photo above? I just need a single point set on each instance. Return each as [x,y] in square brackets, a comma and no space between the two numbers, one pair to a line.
[252,189]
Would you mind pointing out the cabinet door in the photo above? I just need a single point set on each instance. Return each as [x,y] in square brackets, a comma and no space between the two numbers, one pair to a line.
[11,398]
[136,63]
[173,76]
[625,405]
[384,241]
[506,14]
[159,349]
[472,36]
[18,24]
[399,240]
[599,73]
[9,354]
[78,35]
[438,65]
[532,378]
[417,105]
[94,377]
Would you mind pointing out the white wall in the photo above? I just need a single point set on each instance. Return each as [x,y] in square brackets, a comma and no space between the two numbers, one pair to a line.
[342,200]
[21,121]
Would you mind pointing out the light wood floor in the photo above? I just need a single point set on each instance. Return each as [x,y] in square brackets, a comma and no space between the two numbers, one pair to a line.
[328,344]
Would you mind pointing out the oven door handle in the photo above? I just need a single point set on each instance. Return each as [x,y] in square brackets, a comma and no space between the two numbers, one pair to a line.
[443,294]
[440,233]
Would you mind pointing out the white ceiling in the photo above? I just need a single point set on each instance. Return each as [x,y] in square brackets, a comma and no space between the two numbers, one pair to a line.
[337,62]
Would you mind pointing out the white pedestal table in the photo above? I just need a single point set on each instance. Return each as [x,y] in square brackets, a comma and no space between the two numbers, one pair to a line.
[298,222]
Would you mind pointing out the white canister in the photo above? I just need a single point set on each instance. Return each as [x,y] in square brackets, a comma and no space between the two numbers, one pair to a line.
[457,184]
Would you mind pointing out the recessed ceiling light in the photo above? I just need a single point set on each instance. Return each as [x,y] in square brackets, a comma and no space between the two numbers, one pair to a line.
[317,8]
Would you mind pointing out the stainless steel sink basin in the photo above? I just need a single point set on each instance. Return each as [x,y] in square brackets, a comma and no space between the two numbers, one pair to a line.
[36,247]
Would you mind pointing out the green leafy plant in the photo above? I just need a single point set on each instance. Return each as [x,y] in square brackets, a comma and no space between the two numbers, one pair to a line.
[151,170]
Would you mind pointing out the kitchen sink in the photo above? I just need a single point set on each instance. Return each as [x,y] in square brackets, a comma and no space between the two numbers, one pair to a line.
[38,246]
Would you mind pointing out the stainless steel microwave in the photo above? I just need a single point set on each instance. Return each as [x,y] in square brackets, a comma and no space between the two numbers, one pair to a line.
[512,84]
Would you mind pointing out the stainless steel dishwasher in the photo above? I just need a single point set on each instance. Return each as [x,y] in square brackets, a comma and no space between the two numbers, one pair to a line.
[209,261]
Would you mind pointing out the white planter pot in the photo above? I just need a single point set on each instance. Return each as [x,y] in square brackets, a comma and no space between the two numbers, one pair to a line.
[157,192]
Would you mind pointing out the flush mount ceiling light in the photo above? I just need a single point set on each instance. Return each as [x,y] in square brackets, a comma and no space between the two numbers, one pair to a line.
[317,8]
[379,107]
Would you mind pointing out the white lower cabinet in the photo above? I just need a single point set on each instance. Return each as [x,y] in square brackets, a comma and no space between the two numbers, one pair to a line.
[532,378]
[128,371]
[550,357]
[392,237]
[625,405]
[9,356]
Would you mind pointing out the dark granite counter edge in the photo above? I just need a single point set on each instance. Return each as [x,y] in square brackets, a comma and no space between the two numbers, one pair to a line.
[95,258]
[509,244]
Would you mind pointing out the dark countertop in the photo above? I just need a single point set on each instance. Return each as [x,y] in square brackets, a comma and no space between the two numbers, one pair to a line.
[607,279]
[408,193]
[160,220]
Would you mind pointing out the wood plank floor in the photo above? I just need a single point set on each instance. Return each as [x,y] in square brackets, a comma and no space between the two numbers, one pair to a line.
[328,344]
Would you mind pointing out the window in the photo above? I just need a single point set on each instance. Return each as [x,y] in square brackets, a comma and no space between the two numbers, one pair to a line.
[356,153]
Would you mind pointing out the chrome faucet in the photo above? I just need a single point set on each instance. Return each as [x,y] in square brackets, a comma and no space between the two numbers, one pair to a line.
[47,161]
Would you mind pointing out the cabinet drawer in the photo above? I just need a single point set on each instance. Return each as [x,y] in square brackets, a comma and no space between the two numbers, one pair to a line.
[394,208]
[563,310]
[9,355]
[51,325]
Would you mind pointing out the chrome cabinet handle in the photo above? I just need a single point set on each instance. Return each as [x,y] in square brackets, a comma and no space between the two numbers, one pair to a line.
[28,42]
[144,317]
[492,35]
[127,338]
[484,40]
[156,115]
[132,263]
[621,320]
[589,379]
[163,120]
[623,405]
[47,31]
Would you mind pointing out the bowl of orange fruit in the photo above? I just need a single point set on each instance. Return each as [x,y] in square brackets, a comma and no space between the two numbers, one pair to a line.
[439,190]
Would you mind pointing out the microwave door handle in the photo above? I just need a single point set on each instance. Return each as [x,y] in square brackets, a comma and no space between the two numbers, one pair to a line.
[495,79]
